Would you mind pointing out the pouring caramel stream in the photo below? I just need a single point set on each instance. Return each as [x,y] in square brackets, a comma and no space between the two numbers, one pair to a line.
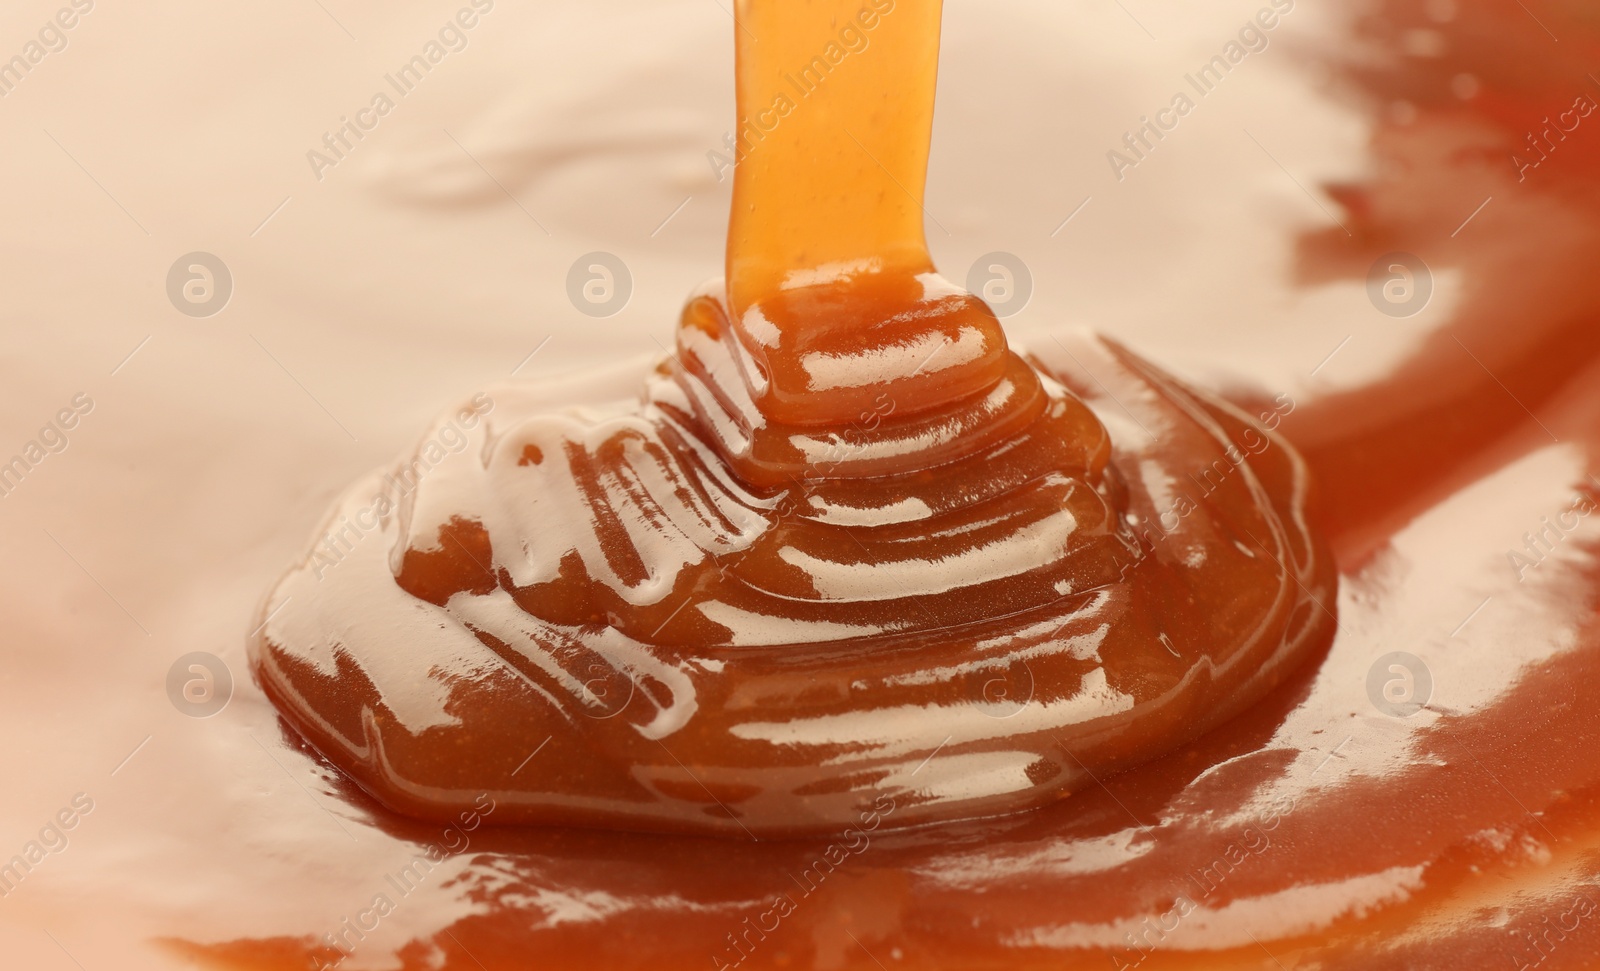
[830,284]
[835,109]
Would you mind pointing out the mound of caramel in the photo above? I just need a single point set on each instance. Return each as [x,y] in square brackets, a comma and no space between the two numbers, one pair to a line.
[847,544]
[700,621]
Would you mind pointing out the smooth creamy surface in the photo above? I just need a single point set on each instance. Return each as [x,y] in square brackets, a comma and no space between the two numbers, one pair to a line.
[375,298]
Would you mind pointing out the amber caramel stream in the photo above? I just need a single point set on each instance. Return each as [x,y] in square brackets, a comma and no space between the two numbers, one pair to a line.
[831,291]
[835,108]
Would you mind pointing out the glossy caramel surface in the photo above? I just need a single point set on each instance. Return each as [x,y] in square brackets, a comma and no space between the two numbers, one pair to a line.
[979,638]
[747,606]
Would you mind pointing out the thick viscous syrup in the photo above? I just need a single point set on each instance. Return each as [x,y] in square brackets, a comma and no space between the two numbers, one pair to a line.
[848,546]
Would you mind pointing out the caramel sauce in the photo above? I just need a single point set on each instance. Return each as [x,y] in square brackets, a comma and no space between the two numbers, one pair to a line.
[1309,831]
[848,547]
